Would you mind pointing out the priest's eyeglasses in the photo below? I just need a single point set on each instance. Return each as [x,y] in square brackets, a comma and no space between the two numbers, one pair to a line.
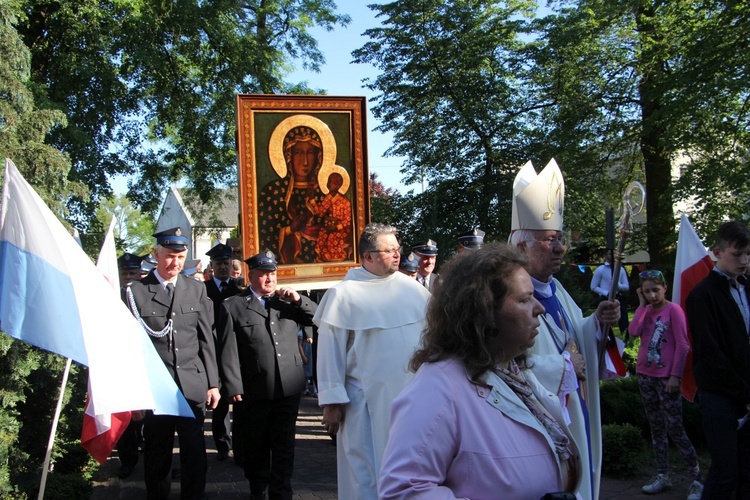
[387,250]
[552,240]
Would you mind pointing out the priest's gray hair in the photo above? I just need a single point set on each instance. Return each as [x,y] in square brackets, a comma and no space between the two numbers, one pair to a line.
[369,239]
[521,236]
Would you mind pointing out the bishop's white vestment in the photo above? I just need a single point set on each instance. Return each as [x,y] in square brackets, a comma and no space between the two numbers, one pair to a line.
[548,365]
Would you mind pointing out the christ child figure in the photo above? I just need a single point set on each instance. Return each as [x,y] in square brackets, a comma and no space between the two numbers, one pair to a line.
[334,240]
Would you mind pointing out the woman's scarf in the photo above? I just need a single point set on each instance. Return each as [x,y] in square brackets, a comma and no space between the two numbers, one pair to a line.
[515,380]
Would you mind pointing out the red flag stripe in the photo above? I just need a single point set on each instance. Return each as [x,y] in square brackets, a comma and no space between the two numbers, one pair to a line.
[98,445]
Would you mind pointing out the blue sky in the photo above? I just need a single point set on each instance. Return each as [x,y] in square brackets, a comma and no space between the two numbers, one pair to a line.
[339,76]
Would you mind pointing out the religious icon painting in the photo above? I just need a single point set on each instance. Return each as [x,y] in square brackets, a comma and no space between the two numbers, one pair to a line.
[303,183]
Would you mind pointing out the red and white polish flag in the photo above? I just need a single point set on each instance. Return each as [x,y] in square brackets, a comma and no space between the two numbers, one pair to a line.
[693,263]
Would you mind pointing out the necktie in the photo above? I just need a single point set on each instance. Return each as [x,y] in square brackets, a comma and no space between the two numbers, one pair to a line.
[223,285]
[170,290]
[267,301]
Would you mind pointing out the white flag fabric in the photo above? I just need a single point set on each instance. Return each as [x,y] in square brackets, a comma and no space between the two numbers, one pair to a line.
[107,261]
[692,264]
[100,433]
[52,296]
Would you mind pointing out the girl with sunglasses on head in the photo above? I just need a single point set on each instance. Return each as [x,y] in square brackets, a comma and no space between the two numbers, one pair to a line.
[661,361]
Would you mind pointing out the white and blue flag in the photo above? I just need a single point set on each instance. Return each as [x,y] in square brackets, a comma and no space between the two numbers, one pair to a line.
[52,296]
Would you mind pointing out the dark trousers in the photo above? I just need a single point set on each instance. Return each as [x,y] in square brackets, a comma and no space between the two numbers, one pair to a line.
[729,448]
[158,432]
[127,445]
[237,440]
[221,426]
[268,428]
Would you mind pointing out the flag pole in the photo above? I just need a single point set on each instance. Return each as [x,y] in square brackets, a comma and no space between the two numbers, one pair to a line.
[52,433]
[58,410]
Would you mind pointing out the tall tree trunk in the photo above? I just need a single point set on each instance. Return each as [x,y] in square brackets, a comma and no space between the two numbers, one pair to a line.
[656,155]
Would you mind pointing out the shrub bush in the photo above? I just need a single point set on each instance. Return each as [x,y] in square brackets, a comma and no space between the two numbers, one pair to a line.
[621,404]
[622,449]
[630,355]
[29,387]
[65,487]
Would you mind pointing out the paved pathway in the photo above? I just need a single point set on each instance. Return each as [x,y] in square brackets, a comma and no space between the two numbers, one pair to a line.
[314,471]
[314,467]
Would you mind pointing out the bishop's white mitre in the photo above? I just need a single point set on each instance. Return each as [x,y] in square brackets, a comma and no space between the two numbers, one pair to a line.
[538,199]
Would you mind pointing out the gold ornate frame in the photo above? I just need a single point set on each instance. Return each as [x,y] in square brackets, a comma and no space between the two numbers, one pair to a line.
[267,186]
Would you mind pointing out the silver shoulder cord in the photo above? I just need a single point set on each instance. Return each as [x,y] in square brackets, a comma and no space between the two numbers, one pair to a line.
[134,309]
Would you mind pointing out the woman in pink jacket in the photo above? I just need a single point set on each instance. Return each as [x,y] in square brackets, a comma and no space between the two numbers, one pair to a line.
[474,423]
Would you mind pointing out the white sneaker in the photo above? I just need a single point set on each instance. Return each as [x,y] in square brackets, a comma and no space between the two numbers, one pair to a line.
[695,491]
[659,483]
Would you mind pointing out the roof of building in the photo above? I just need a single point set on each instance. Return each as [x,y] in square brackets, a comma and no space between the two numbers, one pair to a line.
[225,210]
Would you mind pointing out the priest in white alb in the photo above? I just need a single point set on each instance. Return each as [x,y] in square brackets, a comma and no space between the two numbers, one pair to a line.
[369,326]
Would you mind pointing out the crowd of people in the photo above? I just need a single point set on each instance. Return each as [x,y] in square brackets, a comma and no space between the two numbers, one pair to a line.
[478,382]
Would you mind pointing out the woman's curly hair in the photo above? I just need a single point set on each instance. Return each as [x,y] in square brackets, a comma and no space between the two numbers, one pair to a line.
[461,313]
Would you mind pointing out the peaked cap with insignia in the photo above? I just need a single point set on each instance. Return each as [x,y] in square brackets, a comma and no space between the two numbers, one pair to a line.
[264,260]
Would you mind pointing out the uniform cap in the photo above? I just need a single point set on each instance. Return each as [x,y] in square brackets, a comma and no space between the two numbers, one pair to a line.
[264,260]
[471,240]
[428,247]
[220,252]
[148,262]
[190,267]
[172,239]
[128,261]
[409,263]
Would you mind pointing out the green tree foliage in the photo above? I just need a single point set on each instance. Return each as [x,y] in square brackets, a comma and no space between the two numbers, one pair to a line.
[149,87]
[133,229]
[638,88]
[453,93]
[615,91]
[29,385]
[24,126]
[29,377]
[716,138]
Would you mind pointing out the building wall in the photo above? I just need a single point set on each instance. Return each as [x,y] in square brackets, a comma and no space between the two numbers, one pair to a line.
[205,240]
